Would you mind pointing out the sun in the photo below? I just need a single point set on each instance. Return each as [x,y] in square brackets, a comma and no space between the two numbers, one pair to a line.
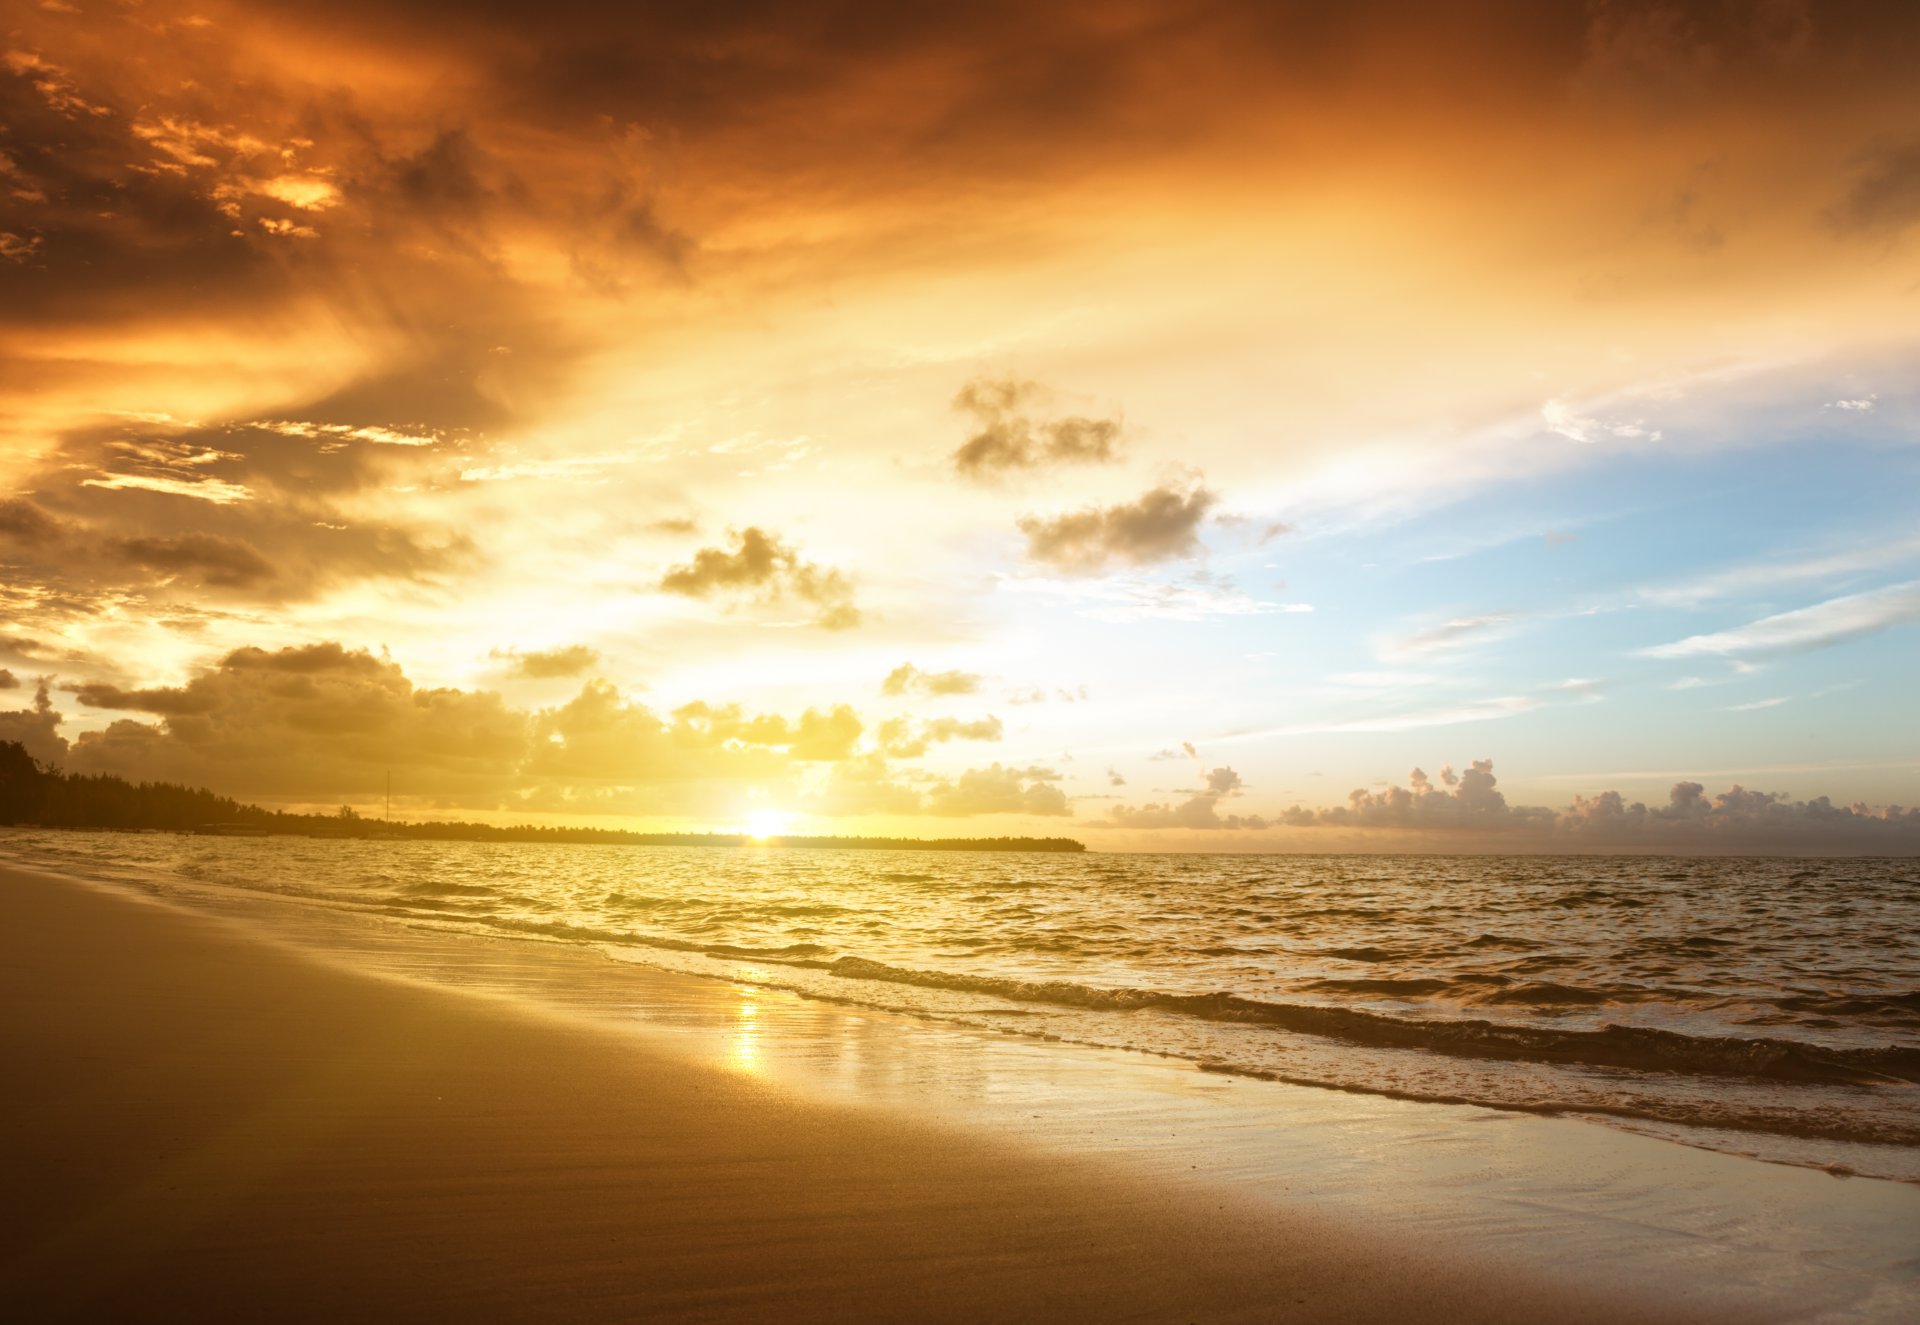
[767,823]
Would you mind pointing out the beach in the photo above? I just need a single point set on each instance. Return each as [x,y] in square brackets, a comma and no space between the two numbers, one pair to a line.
[208,1122]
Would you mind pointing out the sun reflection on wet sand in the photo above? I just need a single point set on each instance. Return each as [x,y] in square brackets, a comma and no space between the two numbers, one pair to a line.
[744,1039]
[1472,1171]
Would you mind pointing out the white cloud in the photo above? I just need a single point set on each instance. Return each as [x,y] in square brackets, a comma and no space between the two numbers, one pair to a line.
[1757,704]
[1128,599]
[1743,579]
[218,491]
[1485,710]
[1833,622]
[1459,633]
[1587,429]
[378,435]
[1737,819]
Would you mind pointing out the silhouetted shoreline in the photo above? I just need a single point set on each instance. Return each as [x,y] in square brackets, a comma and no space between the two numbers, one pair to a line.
[32,796]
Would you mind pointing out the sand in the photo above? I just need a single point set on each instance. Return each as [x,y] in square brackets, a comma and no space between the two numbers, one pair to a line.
[198,1126]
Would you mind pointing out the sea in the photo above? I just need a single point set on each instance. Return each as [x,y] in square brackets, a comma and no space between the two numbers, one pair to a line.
[1767,1007]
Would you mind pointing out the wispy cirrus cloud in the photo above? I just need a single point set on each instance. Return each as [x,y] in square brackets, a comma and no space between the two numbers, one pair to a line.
[1754,706]
[1744,579]
[1835,621]
[1449,715]
[1449,636]
[1129,599]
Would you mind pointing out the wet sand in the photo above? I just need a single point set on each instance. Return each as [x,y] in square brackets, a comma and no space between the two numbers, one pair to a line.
[200,1126]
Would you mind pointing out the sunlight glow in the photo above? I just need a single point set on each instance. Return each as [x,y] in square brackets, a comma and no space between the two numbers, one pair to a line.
[765,823]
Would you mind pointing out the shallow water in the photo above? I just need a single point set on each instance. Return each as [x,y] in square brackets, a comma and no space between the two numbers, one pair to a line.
[1765,1006]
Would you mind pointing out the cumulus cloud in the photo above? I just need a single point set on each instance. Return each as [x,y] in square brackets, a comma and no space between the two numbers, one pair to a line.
[1460,800]
[816,736]
[155,699]
[1201,810]
[1835,621]
[1738,820]
[906,679]
[545,664]
[321,723]
[1162,525]
[998,790]
[36,728]
[864,784]
[1009,437]
[900,739]
[761,566]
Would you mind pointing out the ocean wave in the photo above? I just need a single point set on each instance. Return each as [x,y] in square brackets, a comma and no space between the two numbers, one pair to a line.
[439,888]
[1633,1047]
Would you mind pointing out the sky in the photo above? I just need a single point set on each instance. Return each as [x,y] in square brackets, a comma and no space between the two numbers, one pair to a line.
[1178,426]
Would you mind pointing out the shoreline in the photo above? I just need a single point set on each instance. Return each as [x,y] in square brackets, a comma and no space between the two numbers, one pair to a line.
[320,1137]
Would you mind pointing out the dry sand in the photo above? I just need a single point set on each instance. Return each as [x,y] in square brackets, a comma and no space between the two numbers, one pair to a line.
[196,1126]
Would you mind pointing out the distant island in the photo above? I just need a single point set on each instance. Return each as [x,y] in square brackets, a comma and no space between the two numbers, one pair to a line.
[50,798]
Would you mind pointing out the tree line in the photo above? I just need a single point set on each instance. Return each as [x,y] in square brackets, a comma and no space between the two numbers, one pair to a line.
[48,797]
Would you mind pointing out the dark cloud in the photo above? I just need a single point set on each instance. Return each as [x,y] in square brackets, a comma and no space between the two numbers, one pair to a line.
[1009,437]
[906,679]
[224,563]
[761,566]
[545,664]
[181,515]
[319,723]
[99,694]
[1162,525]
[1886,197]
[325,722]
[36,728]
[306,659]
[24,522]
[623,227]
[313,722]
[8,681]
[113,218]
[22,647]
